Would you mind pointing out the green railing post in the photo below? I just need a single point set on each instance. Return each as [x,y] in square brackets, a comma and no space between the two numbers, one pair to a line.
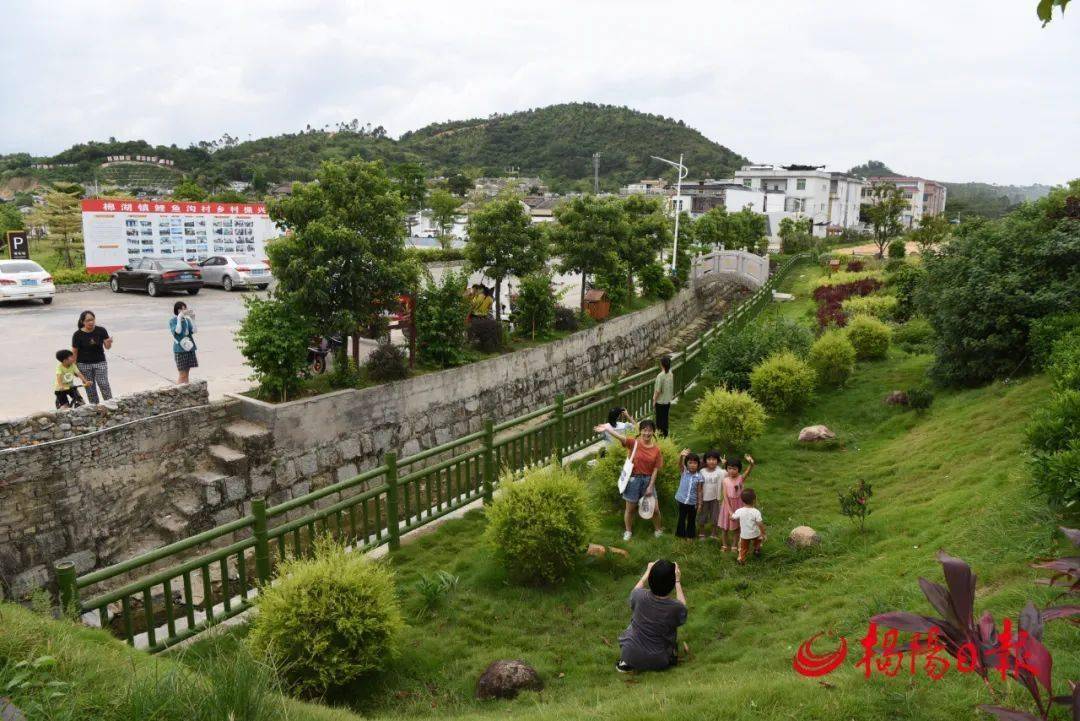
[69,592]
[262,544]
[392,521]
[560,427]
[615,391]
[489,460]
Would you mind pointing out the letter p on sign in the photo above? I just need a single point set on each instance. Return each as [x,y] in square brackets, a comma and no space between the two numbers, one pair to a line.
[18,245]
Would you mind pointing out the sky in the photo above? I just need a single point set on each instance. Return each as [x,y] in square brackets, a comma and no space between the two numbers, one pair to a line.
[952,90]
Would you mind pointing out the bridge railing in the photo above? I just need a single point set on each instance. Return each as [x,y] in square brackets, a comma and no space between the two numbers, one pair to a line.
[166,596]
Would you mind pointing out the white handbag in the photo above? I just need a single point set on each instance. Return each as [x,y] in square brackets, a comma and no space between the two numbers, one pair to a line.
[187,343]
[627,469]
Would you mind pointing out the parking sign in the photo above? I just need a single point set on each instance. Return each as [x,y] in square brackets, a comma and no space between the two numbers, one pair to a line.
[18,245]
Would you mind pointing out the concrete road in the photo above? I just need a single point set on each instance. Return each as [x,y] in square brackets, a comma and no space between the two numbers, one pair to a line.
[141,357]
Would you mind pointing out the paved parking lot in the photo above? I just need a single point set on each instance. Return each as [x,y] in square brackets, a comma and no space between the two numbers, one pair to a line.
[141,357]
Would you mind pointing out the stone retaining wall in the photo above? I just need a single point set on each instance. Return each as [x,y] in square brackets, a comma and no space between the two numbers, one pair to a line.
[79,287]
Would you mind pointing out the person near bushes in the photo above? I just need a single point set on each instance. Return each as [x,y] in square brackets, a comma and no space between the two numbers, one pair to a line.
[480,301]
[647,464]
[65,392]
[751,526]
[182,328]
[618,420]
[88,345]
[650,642]
[688,494]
[732,487]
[663,394]
[708,502]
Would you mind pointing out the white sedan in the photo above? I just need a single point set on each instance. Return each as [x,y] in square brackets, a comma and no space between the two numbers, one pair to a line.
[235,271]
[25,280]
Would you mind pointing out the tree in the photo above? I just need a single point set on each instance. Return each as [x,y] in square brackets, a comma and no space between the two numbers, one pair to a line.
[10,218]
[748,230]
[228,196]
[650,232]
[61,217]
[444,208]
[274,339]
[795,235]
[714,229]
[1045,9]
[502,242]
[410,179]
[459,184]
[883,213]
[189,190]
[932,231]
[342,262]
[587,234]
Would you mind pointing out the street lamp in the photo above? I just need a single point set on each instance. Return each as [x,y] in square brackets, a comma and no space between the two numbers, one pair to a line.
[683,170]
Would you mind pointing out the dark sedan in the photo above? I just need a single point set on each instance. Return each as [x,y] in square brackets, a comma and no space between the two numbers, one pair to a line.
[157,276]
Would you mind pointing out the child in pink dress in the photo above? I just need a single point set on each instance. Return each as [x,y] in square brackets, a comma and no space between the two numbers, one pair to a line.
[731,488]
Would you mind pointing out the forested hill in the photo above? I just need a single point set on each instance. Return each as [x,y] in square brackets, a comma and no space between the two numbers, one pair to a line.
[556,143]
[964,199]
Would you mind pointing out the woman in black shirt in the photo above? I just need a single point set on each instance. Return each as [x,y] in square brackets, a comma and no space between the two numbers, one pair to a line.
[89,344]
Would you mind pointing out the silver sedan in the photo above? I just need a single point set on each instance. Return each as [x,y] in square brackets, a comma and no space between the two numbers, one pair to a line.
[235,271]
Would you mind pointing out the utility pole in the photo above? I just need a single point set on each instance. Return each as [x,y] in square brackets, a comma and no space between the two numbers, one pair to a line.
[596,173]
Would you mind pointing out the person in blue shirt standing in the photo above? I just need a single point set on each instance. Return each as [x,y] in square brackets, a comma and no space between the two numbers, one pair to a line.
[690,481]
[182,327]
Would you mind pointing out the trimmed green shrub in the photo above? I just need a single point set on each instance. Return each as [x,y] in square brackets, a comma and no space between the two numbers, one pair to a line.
[601,478]
[1055,424]
[539,527]
[274,339]
[656,283]
[1064,366]
[915,336]
[328,620]
[71,276]
[919,398]
[782,382]
[1058,475]
[440,314]
[534,309]
[844,277]
[566,319]
[732,355]
[869,336]
[729,419]
[882,307]
[897,249]
[344,373]
[904,282]
[387,363]
[1046,331]
[833,359]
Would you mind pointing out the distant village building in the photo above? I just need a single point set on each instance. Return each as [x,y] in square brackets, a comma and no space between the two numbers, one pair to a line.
[830,199]
[521,185]
[646,186]
[542,208]
[925,197]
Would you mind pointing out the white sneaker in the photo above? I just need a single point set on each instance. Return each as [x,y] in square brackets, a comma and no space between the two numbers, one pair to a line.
[657,534]
[626,535]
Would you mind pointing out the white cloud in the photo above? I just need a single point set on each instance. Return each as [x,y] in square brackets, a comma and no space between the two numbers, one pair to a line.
[955,91]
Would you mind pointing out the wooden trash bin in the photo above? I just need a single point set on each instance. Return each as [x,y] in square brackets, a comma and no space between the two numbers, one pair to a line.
[597,304]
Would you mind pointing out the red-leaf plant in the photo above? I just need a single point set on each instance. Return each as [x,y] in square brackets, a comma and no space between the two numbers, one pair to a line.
[1066,575]
[1021,652]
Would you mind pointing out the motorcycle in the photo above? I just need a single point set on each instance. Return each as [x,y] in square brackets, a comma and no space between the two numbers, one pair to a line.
[319,349]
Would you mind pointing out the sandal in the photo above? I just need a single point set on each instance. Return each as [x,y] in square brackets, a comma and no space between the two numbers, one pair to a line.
[723,549]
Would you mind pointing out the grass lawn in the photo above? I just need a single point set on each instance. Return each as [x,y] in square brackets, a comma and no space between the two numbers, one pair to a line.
[953,477]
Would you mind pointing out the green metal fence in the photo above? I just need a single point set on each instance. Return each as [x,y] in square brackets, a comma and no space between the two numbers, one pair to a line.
[164,598]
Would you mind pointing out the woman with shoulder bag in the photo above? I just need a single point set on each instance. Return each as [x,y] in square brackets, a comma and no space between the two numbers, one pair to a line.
[182,327]
[646,462]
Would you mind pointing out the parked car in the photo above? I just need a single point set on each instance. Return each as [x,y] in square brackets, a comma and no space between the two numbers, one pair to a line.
[157,276]
[25,280]
[236,271]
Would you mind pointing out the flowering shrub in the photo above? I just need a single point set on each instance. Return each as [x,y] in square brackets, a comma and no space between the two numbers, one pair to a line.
[855,503]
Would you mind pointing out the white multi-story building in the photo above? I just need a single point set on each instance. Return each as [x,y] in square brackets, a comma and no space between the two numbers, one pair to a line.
[700,196]
[924,197]
[830,199]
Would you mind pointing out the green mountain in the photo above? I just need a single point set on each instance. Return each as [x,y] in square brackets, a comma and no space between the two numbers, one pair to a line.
[555,143]
[969,199]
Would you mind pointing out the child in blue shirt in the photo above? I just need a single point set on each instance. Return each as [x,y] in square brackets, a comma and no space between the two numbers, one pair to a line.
[689,491]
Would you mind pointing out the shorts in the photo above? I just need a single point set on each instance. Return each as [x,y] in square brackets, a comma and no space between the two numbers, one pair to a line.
[69,398]
[186,360]
[635,488]
[710,512]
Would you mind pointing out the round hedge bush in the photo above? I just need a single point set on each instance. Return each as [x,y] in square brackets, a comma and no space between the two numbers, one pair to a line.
[729,419]
[782,382]
[1064,366]
[539,527]
[915,336]
[833,359]
[328,620]
[879,306]
[602,477]
[869,336]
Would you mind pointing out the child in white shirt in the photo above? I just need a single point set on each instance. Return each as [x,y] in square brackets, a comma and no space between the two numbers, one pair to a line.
[751,525]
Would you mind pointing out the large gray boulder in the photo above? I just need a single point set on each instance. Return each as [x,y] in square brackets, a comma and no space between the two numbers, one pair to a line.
[812,434]
[504,679]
